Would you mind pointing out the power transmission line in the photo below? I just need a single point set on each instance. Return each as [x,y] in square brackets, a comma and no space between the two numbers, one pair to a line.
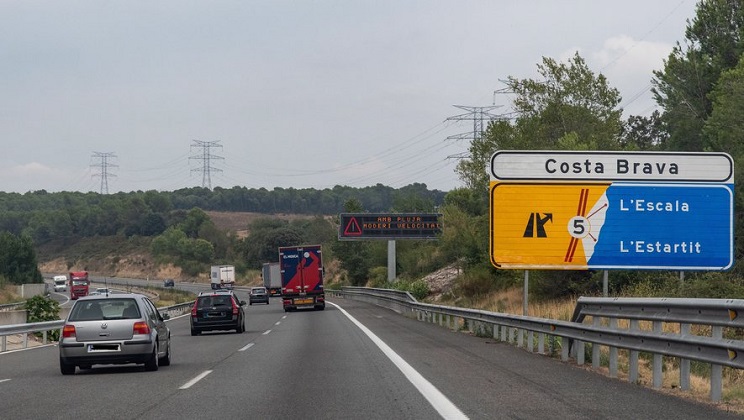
[477,114]
[103,166]
[206,157]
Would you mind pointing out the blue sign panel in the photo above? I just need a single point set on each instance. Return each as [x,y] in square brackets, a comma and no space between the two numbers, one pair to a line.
[660,226]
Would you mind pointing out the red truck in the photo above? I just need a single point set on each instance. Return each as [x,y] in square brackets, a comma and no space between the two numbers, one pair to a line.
[301,269]
[79,284]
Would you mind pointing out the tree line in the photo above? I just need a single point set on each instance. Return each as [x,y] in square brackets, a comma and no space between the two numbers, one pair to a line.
[44,215]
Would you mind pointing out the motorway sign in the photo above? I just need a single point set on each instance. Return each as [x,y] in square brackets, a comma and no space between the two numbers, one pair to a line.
[612,225]
[390,226]
[539,165]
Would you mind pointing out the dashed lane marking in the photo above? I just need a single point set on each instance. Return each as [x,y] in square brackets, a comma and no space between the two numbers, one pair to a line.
[198,378]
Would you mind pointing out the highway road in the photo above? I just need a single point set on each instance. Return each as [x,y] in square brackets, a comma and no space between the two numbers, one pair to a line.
[353,360]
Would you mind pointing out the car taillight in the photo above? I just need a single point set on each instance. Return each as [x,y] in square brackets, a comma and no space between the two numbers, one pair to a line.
[68,331]
[236,308]
[193,309]
[141,328]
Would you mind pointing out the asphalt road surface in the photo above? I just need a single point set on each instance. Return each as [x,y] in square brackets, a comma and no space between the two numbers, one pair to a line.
[351,361]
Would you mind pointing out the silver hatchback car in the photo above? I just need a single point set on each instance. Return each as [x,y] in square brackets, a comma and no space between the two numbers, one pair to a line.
[114,329]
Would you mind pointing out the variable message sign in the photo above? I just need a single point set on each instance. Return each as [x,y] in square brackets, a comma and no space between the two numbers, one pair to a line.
[363,226]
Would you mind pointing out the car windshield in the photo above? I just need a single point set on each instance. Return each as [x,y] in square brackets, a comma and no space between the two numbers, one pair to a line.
[104,309]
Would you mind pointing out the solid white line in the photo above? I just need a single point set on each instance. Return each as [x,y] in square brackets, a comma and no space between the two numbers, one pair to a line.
[266,332]
[4,380]
[439,401]
[199,377]
[247,346]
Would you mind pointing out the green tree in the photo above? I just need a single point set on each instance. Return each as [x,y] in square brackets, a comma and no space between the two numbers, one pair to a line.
[18,262]
[644,133]
[714,43]
[724,130]
[265,237]
[195,218]
[39,309]
[570,108]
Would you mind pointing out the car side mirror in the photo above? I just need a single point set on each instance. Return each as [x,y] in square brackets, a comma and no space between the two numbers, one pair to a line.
[242,303]
[165,316]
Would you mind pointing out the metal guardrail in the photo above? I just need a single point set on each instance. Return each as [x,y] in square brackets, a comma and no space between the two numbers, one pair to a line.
[570,336]
[46,326]
[714,312]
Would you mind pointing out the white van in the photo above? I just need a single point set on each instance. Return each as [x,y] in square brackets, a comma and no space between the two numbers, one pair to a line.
[60,283]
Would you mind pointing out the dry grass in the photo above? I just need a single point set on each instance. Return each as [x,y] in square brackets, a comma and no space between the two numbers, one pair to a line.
[238,222]
[8,294]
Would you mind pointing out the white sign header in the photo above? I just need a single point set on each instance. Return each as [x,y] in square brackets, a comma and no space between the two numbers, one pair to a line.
[541,165]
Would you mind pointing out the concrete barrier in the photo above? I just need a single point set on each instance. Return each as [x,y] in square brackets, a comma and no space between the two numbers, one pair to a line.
[19,317]
[30,290]
[12,317]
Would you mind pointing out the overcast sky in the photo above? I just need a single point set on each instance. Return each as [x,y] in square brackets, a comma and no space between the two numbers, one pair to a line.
[295,93]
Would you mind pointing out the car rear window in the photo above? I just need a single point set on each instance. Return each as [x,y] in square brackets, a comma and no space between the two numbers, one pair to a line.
[259,290]
[210,301]
[104,309]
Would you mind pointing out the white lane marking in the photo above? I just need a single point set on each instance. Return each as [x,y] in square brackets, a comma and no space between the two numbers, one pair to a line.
[439,401]
[4,380]
[247,346]
[277,322]
[266,332]
[198,378]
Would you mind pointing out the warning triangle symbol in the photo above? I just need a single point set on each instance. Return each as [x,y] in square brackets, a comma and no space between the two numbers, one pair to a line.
[352,228]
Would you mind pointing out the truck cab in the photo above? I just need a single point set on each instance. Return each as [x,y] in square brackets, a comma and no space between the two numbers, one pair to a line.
[60,283]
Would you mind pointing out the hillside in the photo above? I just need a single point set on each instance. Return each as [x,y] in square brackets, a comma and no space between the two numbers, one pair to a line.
[237,222]
[117,256]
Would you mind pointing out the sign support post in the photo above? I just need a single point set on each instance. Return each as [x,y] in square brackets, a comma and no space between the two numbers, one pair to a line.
[605,283]
[391,260]
[526,289]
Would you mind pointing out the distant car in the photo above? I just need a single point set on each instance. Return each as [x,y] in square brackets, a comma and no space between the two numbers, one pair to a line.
[217,310]
[168,283]
[114,329]
[100,291]
[258,295]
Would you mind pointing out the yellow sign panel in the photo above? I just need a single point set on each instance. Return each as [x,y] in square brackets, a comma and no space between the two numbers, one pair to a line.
[545,225]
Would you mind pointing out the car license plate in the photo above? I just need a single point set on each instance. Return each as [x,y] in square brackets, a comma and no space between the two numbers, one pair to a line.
[96,348]
[305,301]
